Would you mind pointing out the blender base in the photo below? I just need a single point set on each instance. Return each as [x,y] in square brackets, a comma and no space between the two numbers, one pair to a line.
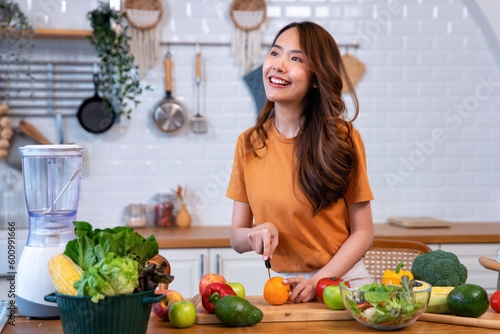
[34,310]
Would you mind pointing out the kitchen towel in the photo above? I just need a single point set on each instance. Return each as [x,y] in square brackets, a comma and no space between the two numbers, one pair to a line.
[256,86]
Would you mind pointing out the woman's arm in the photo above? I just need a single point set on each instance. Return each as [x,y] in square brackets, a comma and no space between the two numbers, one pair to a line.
[352,250]
[263,239]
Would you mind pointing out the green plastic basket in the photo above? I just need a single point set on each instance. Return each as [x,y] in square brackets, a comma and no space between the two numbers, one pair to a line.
[114,314]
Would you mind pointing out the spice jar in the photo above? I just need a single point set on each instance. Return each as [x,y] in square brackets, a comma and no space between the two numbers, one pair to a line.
[135,215]
[164,209]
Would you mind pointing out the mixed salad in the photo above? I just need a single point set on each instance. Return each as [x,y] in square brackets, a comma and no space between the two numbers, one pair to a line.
[378,304]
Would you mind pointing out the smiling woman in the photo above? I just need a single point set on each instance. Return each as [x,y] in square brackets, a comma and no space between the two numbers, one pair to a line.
[301,171]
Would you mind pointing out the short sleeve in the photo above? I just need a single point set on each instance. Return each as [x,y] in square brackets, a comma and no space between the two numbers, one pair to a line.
[359,189]
[237,185]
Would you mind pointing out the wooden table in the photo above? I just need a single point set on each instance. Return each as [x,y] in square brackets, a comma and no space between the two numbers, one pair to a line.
[218,236]
[156,326]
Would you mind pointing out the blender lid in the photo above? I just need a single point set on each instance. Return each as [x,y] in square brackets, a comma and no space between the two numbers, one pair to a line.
[51,150]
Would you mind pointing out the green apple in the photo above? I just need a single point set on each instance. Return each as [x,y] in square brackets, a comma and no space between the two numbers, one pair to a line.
[238,288]
[333,298]
[182,314]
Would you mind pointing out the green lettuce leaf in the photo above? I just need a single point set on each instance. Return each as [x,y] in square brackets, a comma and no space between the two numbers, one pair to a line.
[109,277]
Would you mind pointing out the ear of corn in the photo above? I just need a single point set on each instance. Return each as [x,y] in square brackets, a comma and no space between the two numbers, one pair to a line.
[437,301]
[64,272]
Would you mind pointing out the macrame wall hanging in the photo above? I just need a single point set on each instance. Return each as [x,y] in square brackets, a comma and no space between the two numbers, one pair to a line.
[248,17]
[143,17]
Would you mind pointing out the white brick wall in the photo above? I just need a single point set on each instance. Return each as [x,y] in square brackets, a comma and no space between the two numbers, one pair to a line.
[422,58]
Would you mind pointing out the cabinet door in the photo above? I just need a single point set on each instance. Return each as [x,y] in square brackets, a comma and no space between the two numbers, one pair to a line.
[187,266]
[469,255]
[247,268]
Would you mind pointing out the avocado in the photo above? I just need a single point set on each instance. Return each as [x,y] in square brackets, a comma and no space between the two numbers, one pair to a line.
[468,300]
[235,311]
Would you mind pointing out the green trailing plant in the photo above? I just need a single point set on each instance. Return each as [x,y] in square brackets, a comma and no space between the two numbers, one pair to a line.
[119,84]
[16,40]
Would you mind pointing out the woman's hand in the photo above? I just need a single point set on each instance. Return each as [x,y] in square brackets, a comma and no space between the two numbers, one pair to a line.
[302,290]
[264,239]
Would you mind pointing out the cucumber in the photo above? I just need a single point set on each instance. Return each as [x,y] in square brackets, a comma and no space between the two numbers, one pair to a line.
[235,311]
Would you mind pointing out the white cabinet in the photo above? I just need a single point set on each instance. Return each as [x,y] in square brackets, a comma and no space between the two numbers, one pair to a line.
[188,265]
[469,255]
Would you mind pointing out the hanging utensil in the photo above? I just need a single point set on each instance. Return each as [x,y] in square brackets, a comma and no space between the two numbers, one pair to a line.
[95,115]
[26,134]
[169,114]
[198,122]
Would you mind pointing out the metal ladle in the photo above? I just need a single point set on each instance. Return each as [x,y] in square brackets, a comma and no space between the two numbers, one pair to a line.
[49,210]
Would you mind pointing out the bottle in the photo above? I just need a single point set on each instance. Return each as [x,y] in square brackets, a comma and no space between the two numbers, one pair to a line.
[183,217]
[164,207]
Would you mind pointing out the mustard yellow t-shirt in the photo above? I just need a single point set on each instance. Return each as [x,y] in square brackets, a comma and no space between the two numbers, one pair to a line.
[306,242]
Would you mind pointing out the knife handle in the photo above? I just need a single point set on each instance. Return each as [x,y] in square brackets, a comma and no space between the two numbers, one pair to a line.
[268,264]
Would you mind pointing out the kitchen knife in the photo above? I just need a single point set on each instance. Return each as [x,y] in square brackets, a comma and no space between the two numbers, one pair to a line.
[268,266]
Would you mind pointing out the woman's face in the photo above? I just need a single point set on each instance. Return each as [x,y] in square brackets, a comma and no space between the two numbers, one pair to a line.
[286,74]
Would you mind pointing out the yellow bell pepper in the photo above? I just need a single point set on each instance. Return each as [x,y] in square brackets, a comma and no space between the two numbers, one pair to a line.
[394,277]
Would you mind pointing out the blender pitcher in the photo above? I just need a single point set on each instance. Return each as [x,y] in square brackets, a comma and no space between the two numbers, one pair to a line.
[51,176]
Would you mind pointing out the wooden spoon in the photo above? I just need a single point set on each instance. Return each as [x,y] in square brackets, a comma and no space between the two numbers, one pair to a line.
[489,263]
[31,131]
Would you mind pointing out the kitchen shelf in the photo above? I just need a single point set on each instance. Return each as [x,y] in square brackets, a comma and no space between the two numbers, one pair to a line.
[61,34]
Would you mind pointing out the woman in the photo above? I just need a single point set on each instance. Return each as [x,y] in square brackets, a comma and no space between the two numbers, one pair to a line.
[300,172]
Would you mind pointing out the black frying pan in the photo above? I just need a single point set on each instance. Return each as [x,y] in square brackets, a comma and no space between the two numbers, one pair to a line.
[95,115]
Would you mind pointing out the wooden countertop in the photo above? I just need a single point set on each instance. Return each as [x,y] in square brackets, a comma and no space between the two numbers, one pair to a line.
[218,236]
[157,326]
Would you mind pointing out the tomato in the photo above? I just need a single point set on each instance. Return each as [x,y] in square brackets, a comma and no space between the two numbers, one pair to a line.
[333,298]
[495,301]
[182,314]
[324,282]
[238,288]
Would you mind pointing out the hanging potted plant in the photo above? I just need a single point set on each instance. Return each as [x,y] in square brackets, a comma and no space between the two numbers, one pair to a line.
[16,34]
[120,84]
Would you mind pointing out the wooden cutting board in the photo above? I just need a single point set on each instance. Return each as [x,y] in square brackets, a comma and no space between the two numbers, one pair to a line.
[490,319]
[312,311]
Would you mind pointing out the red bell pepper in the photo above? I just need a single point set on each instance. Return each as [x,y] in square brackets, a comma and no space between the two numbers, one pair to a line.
[213,292]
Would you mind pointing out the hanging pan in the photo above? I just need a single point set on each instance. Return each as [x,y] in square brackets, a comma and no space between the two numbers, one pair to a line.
[96,115]
[169,115]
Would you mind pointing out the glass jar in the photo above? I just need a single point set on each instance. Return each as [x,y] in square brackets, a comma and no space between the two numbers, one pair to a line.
[164,209]
[135,215]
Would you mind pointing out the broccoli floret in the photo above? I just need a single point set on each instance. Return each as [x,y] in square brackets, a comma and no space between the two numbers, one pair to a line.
[439,268]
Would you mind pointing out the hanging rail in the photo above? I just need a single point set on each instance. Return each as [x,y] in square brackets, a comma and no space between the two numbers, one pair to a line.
[353,45]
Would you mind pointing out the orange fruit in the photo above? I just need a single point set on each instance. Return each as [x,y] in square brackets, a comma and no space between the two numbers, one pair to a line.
[275,292]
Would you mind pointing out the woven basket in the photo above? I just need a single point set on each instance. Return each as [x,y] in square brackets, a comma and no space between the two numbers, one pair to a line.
[143,14]
[248,14]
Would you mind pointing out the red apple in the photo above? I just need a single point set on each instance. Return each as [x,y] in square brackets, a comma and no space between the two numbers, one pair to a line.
[210,278]
[161,308]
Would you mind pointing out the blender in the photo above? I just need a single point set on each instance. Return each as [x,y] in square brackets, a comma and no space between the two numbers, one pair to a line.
[51,175]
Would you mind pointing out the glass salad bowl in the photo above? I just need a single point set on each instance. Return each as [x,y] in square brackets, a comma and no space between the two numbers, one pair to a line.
[387,307]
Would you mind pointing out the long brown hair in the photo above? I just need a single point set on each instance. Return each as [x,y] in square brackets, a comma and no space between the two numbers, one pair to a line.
[325,156]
